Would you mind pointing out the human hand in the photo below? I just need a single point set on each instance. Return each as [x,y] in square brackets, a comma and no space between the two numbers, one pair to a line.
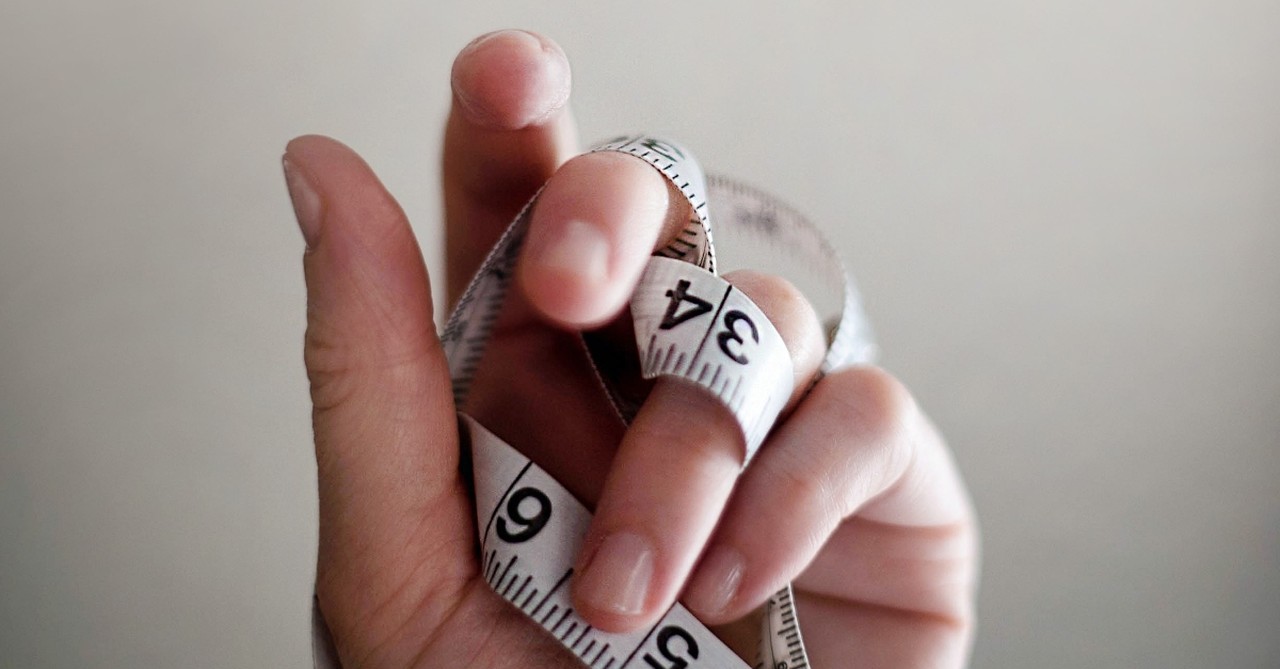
[864,508]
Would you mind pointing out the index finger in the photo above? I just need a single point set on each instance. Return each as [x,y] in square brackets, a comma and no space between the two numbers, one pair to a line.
[509,129]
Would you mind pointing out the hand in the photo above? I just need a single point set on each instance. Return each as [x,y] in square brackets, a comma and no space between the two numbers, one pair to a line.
[865,509]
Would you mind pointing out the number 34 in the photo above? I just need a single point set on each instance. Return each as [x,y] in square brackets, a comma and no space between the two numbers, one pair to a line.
[730,338]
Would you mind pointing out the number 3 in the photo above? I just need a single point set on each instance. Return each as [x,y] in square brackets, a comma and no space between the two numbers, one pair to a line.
[731,334]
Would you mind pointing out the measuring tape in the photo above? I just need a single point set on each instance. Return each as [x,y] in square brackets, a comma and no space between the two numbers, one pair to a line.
[690,324]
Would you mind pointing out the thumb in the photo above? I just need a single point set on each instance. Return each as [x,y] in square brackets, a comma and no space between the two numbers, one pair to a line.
[395,526]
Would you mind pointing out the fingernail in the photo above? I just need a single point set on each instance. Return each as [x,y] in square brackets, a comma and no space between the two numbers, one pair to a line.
[527,83]
[306,201]
[618,575]
[580,250]
[717,582]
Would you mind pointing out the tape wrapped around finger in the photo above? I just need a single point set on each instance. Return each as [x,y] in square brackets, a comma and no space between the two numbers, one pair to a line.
[694,325]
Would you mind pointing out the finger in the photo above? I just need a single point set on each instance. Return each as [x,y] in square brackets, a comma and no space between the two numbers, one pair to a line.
[879,637]
[508,130]
[857,444]
[670,480]
[593,229]
[386,441]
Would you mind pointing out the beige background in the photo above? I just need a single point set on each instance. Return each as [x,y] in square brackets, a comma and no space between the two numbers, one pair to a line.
[1065,217]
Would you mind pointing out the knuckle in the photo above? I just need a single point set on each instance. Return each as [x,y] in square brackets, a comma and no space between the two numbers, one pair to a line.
[800,481]
[340,365]
[629,184]
[329,368]
[585,171]
[878,412]
[876,404]
[807,492]
[777,297]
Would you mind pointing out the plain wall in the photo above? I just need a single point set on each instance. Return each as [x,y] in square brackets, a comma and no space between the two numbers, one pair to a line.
[1065,218]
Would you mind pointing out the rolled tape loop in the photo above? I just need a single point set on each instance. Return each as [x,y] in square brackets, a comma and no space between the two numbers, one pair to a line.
[693,325]
[689,324]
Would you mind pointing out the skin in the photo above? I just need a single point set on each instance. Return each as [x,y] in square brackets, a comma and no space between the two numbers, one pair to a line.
[864,507]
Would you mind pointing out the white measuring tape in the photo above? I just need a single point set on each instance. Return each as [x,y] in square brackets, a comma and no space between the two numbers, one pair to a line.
[690,324]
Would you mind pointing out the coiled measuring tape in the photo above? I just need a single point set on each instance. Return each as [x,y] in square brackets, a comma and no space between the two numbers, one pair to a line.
[690,324]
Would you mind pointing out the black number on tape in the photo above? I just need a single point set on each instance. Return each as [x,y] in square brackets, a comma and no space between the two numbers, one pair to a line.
[530,526]
[731,334]
[698,306]
[676,660]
